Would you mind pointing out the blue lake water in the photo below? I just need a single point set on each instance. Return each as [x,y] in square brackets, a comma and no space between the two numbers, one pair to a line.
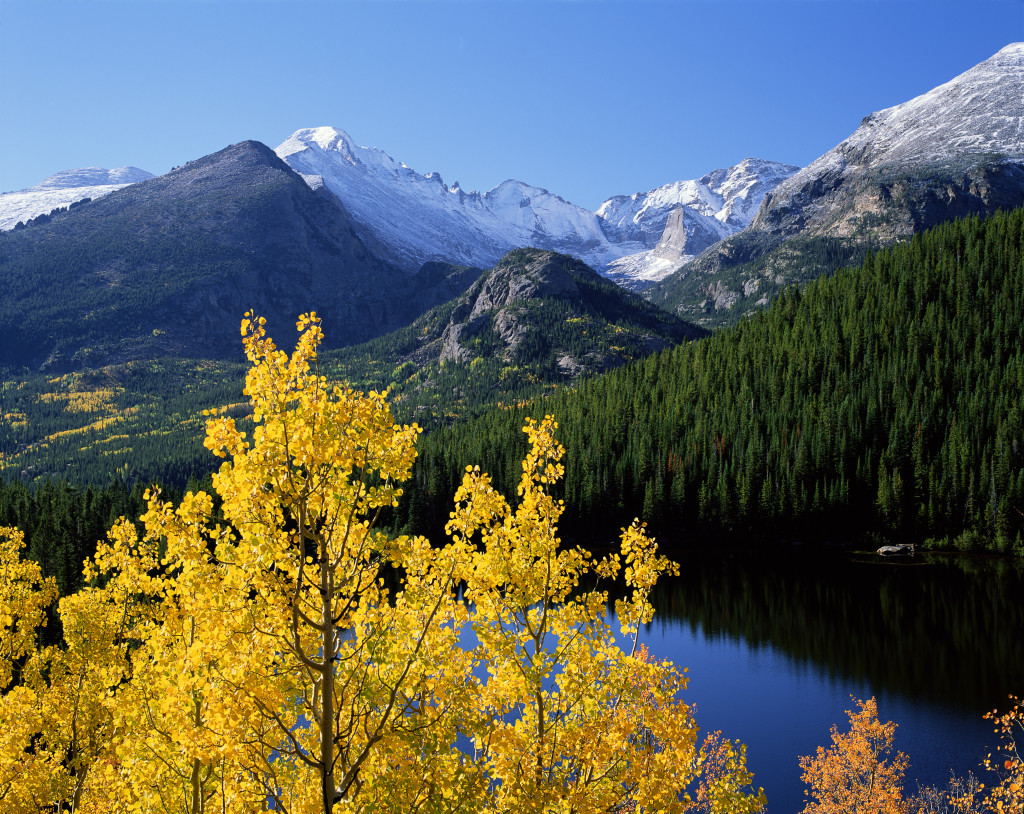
[776,645]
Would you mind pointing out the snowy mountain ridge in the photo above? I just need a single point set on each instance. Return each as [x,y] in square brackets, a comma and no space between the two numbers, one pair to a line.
[410,219]
[417,218]
[978,115]
[676,222]
[952,152]
[63,189]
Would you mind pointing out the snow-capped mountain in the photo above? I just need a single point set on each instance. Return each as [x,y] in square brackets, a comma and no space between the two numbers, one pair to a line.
[413,218]
[417,218]
[63,189]
[954,151]
[165,267]
[975,118]
[674,223]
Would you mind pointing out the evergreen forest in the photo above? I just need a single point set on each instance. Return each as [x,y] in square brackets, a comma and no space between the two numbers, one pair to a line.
[882,403]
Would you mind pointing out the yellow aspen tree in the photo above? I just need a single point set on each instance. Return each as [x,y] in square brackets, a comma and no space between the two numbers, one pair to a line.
[566,720]
[348,660]
[860,773]
[26,780]
[181,727]
[24,597]
[104,624]
[69,691]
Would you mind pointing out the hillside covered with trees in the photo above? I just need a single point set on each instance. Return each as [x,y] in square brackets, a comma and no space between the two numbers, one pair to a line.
[288,655]
[884,401]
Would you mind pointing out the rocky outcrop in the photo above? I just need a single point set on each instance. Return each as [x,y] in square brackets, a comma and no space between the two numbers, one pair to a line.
[904,550]
[542,308]
[686,235]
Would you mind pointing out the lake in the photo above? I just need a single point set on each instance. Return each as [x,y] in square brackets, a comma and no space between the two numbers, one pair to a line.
[777,641]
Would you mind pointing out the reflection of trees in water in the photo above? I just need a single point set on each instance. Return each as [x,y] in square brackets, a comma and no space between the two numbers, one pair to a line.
[944,628]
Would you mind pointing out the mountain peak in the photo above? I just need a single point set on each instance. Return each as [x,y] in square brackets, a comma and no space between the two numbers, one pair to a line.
[417,218]
[335,142]
[975,115]
[954,151]
[976,119]
[93,177]
[326,138]
[63,189]
[1013,52]
[169,264]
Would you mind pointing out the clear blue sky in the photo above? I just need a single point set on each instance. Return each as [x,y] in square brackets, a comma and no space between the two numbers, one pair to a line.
[586,98]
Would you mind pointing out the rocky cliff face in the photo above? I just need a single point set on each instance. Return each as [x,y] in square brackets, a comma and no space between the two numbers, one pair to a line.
[545,309]
[954,151]
[498,302]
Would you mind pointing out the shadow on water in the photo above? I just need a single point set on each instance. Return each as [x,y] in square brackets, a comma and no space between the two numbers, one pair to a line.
[943,628]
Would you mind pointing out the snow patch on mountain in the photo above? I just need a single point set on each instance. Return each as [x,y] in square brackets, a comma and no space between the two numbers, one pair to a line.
[63,189]
[418,218]
[94,177]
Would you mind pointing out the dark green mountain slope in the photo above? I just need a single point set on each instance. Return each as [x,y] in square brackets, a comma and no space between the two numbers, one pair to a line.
[885,401]
[138,419]
[167,267]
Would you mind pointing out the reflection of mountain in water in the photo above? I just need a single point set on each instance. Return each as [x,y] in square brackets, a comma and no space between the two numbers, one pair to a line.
[945,629]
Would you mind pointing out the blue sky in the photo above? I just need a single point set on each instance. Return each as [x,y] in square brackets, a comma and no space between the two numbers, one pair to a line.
[586,98]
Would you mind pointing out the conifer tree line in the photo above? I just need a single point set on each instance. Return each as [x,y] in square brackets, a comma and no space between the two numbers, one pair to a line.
[884,401]
[62,523]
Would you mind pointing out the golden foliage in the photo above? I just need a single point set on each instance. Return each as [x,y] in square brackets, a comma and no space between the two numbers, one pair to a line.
[286,652]
[83,401]
[859,773]
[1007,797]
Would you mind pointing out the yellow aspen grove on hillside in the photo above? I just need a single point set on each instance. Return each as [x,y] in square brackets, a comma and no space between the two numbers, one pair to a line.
[286,654]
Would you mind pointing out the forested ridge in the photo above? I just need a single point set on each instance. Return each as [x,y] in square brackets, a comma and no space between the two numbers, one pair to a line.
[536,322]
[551,320]
[883,402]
